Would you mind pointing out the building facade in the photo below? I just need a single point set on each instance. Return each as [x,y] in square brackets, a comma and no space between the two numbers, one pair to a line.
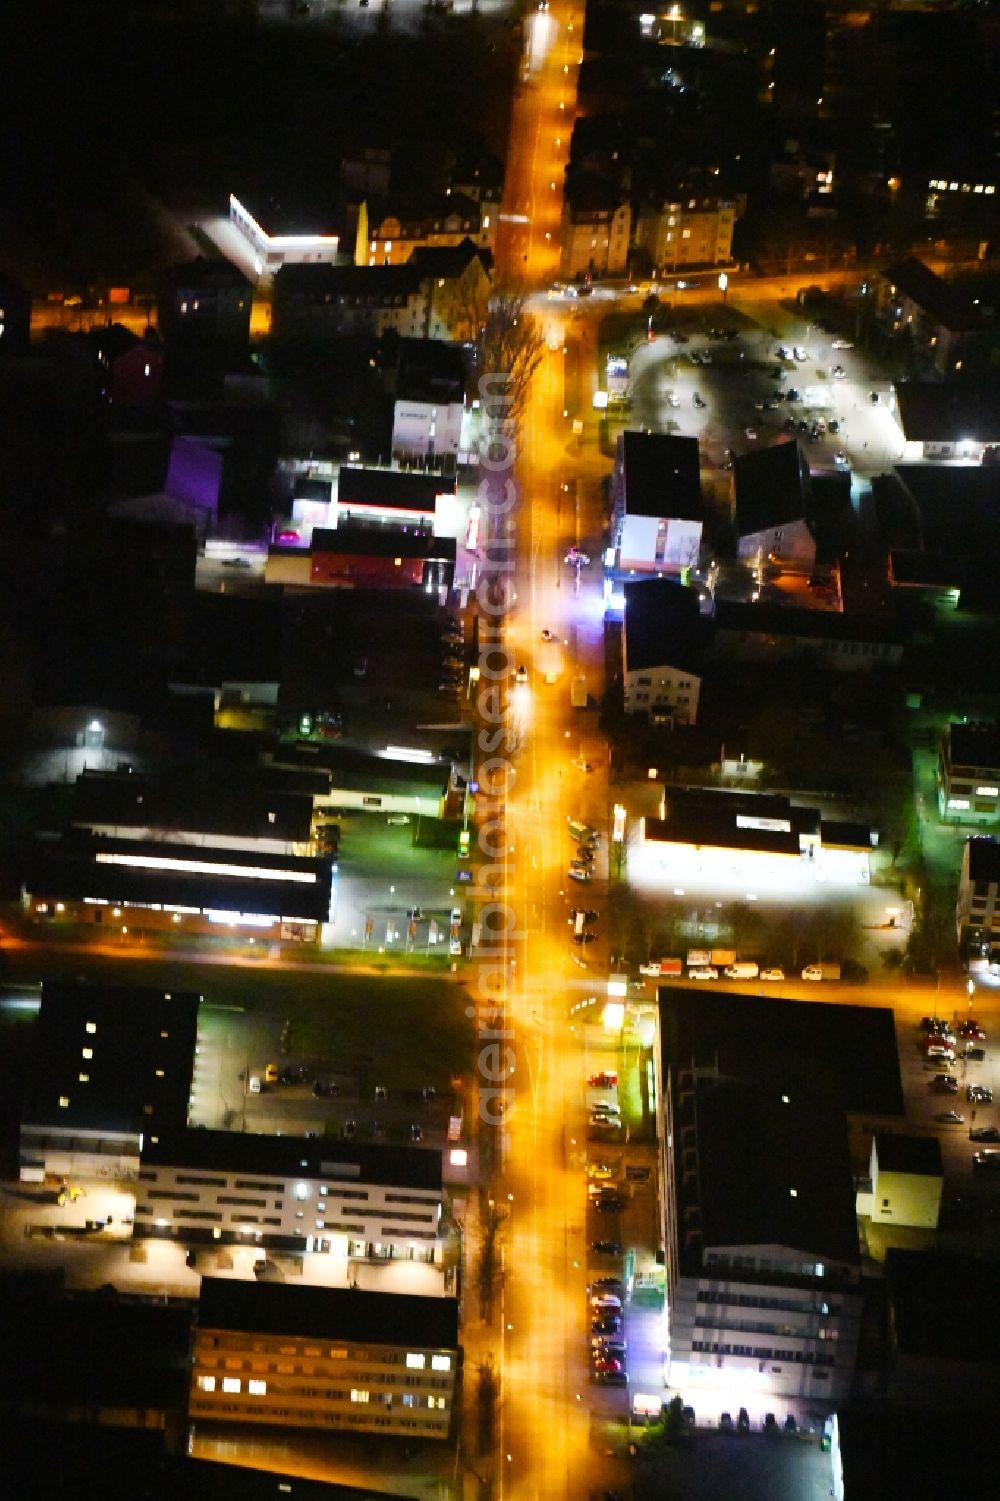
[595,239]
[978,908]
[333,1360]
[281,243]
[969,774]
[362,1202]
[687,232]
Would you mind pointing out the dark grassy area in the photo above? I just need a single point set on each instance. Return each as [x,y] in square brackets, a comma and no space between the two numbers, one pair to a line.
[103,104]
[412,1028]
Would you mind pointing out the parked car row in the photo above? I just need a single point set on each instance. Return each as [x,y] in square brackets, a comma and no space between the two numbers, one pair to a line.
[608,1351]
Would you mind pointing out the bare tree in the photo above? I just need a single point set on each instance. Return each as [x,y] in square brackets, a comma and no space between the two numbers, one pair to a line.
[507,337]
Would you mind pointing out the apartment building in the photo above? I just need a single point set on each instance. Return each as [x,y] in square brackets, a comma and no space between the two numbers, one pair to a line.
[366,1201]
[687,231]
[663,639]
[596,230]
[969,773]
[977,910]
[330,1359]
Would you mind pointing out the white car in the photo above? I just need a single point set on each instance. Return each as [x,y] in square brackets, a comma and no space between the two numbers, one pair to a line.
[521,676]
[652,970]
[841,344]
[799,353]
[398,819]
[579,875]
[704,972]
[771,974]
[840,459]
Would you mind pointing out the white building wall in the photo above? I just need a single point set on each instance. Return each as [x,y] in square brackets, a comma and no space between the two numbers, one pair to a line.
[664,689]
[176,1200]
[792,541]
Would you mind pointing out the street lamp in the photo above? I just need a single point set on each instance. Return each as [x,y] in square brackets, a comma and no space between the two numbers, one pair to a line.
[723,286]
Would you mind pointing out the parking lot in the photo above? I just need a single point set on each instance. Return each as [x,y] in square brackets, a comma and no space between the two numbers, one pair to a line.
[715,377]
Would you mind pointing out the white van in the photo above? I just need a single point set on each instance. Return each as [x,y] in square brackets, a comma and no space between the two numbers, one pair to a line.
[742,970]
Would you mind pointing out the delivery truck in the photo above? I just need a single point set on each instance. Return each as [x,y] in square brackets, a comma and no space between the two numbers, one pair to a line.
[822,971]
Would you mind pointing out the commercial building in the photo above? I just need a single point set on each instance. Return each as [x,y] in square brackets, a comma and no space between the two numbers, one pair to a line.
[377,782]
[657,506]
[212,805]
[335,1360]
[977,911]
[130,884]
[662,645]
[906,1177]
[353,1200]
[948,422]
[969,773]
[394,497]
[354,557]
[747,842]
[844,643]
[277,236]
[687,231]
[108,1065]
[763,1263]
[770,507]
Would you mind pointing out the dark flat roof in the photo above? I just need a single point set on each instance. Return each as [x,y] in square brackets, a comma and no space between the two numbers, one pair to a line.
[208,798]
[938,413]
[935,296]
[964,1325]
[72,870]
[207,1480]
[958,507]
[849,1050]
[143,1055]
[85,1351]
[663,626]
[448,260]
[329,1313]
[662,475]
[292,1156]
[721,832]
[786,620]
[770,486]
[847,835]
[908,1154]
[361,770]
[371,284]
[974,745]
[379,542]
[984,859]
[392,489]
[783,1178]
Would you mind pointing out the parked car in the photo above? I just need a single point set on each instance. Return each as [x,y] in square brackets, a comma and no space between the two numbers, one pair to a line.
[606,1122]
[950,1118]
[606,1248]
[975,1054]
[606,1284]
[606,1323]
[943,1084]
[978,1094]
[772,973]
[971,1031]
[986,1161]
[703,972]
[582,938]
[603,1080]
[609,1205]
[984,1133]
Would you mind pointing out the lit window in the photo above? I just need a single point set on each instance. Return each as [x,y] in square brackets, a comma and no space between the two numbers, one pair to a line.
[988,791]
[257,1388]
[685,234]
[206,1383]
[409,1400]
[64,1102]
[440,1362]
[415,1362]
[302,1191]
[90,1027]
[435,1402]
[230,1383]
[86,1052]
[958,802]
[321,1224]
[84,1078]
[358,1395]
